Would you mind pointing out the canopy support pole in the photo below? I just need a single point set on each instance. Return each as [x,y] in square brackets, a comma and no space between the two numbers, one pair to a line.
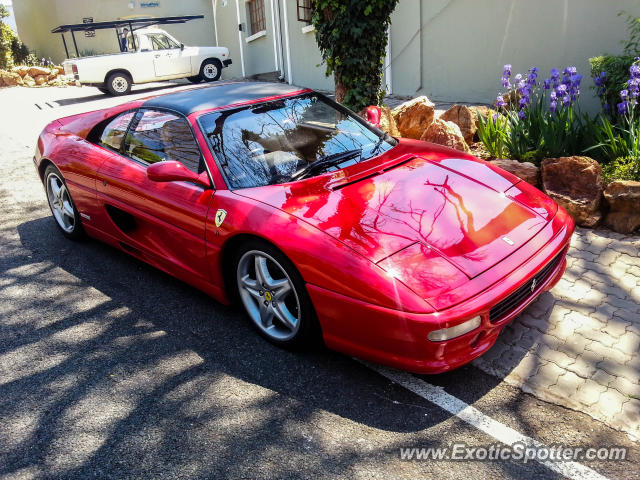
[133,38]
[64,42]
[74,43]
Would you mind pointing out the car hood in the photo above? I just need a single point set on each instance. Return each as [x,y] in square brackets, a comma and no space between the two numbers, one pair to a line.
[466,214]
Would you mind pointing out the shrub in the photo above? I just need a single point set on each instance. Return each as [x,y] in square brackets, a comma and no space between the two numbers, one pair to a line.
[624,168]
[610,72]
[19,51]
[608,86]
[6,37]
[622,139]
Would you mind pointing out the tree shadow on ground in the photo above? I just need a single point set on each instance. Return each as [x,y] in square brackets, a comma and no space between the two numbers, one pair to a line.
[112,368]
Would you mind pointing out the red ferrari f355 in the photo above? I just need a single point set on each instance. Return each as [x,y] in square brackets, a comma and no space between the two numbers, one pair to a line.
[396,251]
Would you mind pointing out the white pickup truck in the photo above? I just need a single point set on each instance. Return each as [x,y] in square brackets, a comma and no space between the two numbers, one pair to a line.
[152,55]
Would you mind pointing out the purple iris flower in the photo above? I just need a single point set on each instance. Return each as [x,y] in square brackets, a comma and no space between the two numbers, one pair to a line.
[553,106]
[553,95]
[505,82]
[507,70]
[634,70]
[521,114]
[566,101]
[500,102]
[622,108]
[547,84]
[624,94]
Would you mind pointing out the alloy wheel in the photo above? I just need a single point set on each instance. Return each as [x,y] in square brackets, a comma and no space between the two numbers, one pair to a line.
[60,203]
[268,295]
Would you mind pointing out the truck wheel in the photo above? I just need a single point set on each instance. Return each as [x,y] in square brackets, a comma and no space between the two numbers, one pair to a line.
[195,79]
[103,90]
[119,83]
[211,70]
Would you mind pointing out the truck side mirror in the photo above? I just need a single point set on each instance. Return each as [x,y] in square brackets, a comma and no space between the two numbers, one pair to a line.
[182,46]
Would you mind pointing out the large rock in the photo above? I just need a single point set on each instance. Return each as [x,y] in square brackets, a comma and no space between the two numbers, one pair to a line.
[387,122]
[35,71]
[29,81]
[21,70]
[527,171]
[11,79]
[576,184]
[464,117]
[623,197]
[447,134]
[40,79]
[414,117]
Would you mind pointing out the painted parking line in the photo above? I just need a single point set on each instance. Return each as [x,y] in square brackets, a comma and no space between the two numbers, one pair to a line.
[479,420]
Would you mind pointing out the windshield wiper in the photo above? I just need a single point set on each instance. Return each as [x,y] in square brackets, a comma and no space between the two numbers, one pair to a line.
[326,161]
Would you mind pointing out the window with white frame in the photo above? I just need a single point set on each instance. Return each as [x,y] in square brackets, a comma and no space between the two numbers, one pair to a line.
[255,14]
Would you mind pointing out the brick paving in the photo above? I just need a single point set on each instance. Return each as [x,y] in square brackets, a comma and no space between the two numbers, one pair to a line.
[578,344]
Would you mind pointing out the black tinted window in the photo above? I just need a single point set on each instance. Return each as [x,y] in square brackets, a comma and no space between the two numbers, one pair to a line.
[115,131]
[272,142]
[161,136]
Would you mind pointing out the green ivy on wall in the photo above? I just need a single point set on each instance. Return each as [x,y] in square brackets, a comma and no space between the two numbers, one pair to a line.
[352,37]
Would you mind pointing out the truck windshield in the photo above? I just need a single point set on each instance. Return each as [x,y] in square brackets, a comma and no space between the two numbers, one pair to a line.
[277,141]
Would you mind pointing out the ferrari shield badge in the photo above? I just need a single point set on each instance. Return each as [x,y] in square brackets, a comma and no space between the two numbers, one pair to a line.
[220,216]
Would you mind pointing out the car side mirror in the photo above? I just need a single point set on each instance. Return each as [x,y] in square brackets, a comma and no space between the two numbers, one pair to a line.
[172,171]
[182,46]
[373,115]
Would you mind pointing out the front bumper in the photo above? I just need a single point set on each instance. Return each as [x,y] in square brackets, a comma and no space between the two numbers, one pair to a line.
[399,339]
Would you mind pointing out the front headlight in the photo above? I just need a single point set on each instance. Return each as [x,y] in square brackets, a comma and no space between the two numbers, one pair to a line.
[453,332]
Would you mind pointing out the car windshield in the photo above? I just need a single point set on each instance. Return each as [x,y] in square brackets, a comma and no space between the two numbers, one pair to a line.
[278,141]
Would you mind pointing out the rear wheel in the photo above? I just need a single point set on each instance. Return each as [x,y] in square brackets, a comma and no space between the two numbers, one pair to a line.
[211,70]
[119,83]
[274,296]
[195,79]
[103,90]
[61,204]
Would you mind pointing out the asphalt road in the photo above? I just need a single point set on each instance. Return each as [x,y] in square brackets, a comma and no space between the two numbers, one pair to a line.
[112,369]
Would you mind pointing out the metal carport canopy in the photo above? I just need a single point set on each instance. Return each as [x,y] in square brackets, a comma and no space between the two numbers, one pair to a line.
[133,24]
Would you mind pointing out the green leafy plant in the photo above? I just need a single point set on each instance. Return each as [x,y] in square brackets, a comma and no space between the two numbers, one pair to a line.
[611,72]
[352,37]
[624,168]
[608,86]
[6,36]
[492,132]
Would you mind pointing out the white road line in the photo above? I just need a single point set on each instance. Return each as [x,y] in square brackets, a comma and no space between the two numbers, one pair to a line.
[476,418]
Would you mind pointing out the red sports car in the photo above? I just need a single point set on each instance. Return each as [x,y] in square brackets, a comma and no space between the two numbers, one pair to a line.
[393,250]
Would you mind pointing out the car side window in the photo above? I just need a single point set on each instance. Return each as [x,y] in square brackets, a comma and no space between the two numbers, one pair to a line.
[114,132]
[161,136]
[161,42]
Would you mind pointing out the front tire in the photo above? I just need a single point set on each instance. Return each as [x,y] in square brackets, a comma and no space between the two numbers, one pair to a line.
[103,90]
[119,83]
[195,79]
[274,296]
[210,70]
[61,204]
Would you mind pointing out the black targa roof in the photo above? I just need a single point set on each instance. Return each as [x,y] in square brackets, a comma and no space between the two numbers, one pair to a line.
[132,24]
[219,95]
